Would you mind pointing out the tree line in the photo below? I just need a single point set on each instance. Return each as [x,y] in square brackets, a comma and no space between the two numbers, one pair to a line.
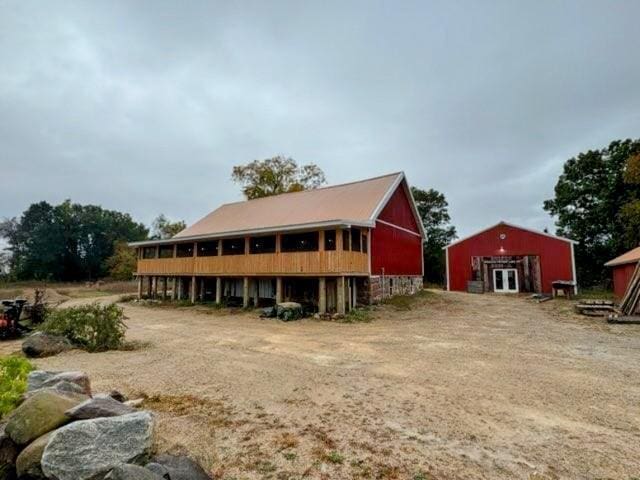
[596,203]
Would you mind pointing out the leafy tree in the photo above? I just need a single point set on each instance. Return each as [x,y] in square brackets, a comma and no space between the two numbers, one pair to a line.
[272,176]
[164,228]
[123,263]
[433,209]
[67,241]
[590,206]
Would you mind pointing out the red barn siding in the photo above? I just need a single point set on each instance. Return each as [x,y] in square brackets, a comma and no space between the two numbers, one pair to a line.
[396,250]
[621,278]
[399,212]
[555,254]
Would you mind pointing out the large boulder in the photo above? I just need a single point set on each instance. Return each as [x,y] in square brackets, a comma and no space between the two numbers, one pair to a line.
[8,454]
[42,344]
[73,381]
[181,467]
[288,311]
[39,414]
[89,449]
[132,472]
[78,378]
[97,407]
[28,463]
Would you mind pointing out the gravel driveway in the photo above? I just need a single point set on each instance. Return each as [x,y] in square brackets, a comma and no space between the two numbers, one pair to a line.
[461,386]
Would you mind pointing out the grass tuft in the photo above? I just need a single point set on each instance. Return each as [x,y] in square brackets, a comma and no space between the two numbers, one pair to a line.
[13,382]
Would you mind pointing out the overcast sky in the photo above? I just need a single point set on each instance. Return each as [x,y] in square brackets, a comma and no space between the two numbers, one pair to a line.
[145,106]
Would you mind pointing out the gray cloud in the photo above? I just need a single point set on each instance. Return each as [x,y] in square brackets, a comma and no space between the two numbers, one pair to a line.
[145,106]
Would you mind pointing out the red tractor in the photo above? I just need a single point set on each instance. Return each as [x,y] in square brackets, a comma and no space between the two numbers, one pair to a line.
[9,319]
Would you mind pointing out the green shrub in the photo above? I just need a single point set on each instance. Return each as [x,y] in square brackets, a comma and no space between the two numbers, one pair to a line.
[94,327]
[13,381]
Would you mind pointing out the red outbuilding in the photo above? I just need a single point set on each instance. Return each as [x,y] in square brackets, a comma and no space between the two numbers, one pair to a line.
[506,258]
[622,268]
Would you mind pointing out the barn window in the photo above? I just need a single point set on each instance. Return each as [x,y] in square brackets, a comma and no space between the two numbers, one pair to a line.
[208,249]
[345,240]
[166,251]
[355,239]
[330,240]
[263,244]
[149,252]
[233,246]
[365,244]
[185,250]
[300,242]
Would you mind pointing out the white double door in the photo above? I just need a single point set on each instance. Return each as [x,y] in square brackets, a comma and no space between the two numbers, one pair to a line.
[505,280]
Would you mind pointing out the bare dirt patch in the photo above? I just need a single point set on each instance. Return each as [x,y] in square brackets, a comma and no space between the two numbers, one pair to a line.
[459,386]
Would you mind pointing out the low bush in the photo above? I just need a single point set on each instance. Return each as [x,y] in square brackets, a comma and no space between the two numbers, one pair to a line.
[94,327]
[13,381]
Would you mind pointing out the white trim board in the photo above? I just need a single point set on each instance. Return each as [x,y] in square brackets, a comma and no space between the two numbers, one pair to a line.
[399,228]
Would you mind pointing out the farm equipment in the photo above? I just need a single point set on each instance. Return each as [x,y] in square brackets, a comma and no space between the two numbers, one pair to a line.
[9,319]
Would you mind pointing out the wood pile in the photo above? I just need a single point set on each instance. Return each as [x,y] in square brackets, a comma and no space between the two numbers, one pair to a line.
[631,298]
[595,308]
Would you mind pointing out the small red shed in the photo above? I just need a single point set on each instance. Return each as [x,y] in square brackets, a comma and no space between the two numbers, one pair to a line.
[507,258]
[622,268]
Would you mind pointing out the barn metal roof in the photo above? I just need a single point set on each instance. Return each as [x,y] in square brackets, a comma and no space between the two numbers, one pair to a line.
[349,204]
[632,256]
[512,226]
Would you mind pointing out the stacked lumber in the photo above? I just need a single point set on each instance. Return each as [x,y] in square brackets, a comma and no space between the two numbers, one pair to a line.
[631,298]
[595,308]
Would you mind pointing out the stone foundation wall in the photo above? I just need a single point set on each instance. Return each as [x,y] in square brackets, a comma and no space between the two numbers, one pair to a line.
[393,285]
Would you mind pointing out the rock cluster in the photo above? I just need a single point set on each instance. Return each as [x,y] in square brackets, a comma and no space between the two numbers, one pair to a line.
[61,432]
[286,311]
[44,345]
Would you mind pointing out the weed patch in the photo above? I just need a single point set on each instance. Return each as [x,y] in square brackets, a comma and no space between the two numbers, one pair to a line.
[13,381]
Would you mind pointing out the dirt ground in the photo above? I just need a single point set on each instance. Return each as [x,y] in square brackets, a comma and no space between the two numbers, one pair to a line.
[461,386]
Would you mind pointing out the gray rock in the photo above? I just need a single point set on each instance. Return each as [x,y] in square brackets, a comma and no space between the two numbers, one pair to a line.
[39,414]
[98,407]
[131,472]
[78,378]
[28,463]
[159,470]
[36,378]
[8,455]
[89,449]
[44,345]
[288,311]
[181,467]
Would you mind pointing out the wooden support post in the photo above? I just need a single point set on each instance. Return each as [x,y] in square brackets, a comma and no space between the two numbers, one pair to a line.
[139,287]
[350,297]
[322,295]
[192,293]
[278,290]
[355,292]
[218,290]
[245,292]
[340,295]
[201,294]
[174,288]
[164,288]
[179,288]
[256,293]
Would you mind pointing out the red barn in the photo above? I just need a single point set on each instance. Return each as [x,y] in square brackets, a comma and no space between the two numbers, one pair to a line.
[332,248]
[622,268]
[509,259]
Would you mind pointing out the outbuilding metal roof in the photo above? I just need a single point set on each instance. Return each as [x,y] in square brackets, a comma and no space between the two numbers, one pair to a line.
[357,203]
[632,256]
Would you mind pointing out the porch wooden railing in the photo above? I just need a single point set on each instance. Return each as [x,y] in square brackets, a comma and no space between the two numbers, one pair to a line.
[290,263]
